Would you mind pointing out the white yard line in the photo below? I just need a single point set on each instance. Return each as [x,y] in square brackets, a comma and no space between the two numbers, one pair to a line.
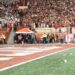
[6,68]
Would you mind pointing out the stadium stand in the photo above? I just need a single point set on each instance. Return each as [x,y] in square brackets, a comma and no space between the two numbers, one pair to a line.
[47,17]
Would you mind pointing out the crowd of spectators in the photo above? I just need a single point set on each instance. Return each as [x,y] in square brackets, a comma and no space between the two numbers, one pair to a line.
[8,20]
[24,39]
[49,13]
[8,16]
[43,39]
[39,14]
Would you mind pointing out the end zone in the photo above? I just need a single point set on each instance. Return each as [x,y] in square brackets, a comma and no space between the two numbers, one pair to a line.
[30,54]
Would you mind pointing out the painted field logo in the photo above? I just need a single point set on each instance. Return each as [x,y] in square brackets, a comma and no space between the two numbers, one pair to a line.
[14,56]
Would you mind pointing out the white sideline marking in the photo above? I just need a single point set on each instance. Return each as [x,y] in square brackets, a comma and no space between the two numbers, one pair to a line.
[5,58]
[6,68]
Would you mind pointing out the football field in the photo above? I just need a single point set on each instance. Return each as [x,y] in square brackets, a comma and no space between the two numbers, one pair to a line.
[42,60]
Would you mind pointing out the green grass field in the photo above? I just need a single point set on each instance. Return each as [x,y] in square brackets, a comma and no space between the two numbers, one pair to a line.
[50,65]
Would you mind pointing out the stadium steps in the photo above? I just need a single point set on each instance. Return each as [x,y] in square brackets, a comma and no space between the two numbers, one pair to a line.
[11,37]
